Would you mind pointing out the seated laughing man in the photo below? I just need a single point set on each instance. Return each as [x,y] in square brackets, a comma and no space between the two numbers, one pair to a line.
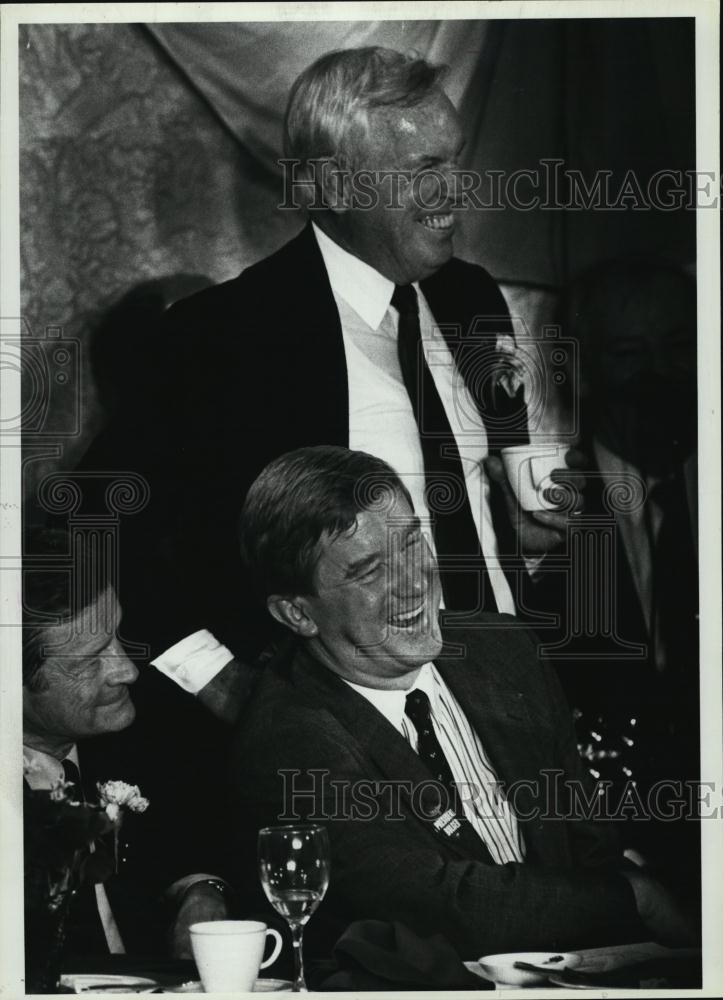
[431,764]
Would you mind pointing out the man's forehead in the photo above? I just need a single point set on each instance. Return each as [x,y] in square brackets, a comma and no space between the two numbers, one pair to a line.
[90,629]
[372,528]
[416,122]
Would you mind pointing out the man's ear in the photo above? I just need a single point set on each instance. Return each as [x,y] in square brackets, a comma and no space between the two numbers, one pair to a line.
[334,179]
[292,612]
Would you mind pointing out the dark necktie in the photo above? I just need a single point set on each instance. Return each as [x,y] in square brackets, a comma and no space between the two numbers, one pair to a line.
[418,710]
[455,535]
[72,777]
[452,820]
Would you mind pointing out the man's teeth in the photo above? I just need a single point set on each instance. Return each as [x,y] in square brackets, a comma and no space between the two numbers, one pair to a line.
[408,617]
[438,221]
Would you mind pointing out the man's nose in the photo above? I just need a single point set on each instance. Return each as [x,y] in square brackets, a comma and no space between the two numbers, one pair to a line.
[411,579]
[121,669]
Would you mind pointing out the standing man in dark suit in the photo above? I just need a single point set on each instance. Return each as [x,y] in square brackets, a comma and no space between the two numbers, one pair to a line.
[363,331]
[447,776]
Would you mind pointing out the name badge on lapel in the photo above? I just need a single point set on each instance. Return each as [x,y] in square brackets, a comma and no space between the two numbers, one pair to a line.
[447,823]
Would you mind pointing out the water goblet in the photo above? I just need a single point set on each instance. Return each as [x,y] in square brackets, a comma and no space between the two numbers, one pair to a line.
[294,871]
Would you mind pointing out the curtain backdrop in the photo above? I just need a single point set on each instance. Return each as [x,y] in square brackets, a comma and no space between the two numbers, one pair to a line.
[245,71]
[148,151]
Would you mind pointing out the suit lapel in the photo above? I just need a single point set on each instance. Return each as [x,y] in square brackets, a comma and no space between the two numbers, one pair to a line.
[630,626]
[471,314]
[388,750]
[314,346]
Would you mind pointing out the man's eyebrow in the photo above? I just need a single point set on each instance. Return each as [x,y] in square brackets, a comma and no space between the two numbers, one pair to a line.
[420,159]
[359,565]
[423,160]
[103,640]
[354,568]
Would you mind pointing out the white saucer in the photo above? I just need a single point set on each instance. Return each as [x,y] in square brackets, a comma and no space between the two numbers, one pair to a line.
[95,982]
[260,986]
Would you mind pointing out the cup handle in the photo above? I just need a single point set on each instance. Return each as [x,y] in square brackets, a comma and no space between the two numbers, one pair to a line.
[277,948]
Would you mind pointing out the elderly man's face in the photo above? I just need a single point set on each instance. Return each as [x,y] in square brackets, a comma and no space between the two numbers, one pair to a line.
[83,683]
[376,608]
[407,233]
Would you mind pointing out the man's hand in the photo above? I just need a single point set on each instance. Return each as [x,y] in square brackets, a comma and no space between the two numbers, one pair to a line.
[227,693]
[203,901]
[660,913]
[540,531]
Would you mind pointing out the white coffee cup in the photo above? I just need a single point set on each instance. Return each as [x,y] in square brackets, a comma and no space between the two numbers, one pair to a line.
[229,953]
[528,468]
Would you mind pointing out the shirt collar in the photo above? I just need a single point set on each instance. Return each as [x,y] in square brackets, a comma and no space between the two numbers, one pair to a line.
[42,770]
[367,291]
[426,681]
[391,704]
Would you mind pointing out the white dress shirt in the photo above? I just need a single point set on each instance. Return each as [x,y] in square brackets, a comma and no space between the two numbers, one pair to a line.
[381,419]
[485,805]
[42,771]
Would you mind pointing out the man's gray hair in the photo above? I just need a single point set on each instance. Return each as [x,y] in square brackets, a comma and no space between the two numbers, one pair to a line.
[340,89]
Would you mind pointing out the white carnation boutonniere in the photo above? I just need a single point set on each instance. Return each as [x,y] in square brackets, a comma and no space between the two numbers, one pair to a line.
[114,797]
[510,370]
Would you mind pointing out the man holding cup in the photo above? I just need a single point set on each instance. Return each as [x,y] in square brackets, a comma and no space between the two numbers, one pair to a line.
[363,331]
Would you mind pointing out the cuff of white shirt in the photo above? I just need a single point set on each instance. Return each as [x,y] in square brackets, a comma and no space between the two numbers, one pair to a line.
[194,661]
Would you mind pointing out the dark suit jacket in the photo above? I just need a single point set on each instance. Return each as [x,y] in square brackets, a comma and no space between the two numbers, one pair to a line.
[247,370]
[567,893]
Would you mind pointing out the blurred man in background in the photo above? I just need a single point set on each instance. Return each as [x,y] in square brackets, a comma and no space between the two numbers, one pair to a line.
[638,684]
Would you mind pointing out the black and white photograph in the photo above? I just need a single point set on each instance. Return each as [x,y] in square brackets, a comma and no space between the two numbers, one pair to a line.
[360,569]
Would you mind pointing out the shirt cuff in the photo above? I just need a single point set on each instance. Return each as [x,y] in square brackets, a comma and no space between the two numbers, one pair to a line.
[194,661]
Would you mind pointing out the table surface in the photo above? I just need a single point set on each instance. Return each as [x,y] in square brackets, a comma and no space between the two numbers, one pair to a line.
[168,972]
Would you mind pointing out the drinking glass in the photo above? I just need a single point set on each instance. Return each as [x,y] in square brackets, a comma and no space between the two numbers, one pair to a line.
[294,871]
